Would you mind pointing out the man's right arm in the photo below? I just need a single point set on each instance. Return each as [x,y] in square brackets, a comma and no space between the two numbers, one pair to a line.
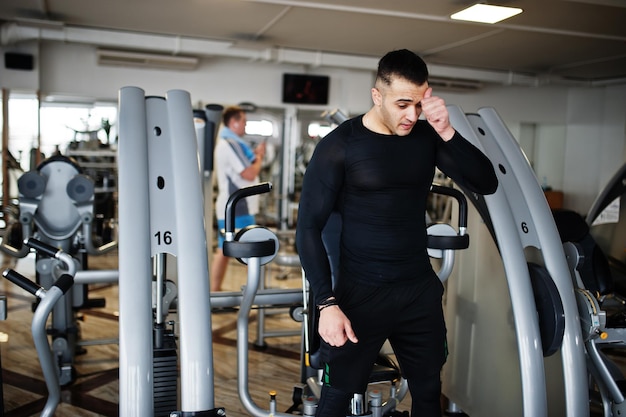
[322,181]
[334,327]
[321,184]
[312,216]
[252,171]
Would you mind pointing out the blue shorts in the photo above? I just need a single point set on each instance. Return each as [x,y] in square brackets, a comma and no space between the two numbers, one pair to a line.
[240,223]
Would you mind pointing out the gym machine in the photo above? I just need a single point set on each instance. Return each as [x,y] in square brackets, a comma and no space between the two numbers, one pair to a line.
[542,328]
[606,219]
[160,213]
[56,207]
[254,246]
[206,122]
[161,210]
[598,275]
[48,300]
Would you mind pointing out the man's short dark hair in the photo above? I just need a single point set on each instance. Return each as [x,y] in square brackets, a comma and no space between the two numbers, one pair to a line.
[402,63]
[232,112]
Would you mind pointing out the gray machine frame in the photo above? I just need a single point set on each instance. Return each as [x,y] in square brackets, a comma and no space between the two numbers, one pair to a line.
[596,308]
[48,299]
[161,210]
[522,219]
[56,203]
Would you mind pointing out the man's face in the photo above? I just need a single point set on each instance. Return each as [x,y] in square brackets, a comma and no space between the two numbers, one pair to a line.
[399,105]
[239,126]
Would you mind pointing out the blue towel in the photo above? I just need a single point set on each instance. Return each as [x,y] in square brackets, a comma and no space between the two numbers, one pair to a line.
[226,133]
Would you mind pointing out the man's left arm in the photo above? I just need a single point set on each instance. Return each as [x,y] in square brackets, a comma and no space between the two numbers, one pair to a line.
[458,158]
[436,113]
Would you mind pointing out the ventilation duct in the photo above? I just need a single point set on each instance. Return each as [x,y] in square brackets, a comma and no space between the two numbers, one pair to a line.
[145,60]
[454,84]
[169,48]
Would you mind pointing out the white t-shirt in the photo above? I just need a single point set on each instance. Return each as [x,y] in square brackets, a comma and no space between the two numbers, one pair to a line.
[229,162]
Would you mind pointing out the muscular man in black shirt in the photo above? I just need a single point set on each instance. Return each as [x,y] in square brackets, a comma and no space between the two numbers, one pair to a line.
[375,170]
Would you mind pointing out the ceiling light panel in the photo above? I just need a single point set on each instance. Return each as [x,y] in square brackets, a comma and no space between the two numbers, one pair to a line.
[486,13]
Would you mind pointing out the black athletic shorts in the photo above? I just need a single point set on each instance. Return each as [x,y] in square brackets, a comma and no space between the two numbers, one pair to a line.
[409,315]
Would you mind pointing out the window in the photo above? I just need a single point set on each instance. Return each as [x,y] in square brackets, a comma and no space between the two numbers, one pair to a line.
[22,128]
[259,128]
[60,124]
[318,130]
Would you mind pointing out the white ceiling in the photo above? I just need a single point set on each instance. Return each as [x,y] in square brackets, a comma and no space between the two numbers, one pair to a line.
[551,41]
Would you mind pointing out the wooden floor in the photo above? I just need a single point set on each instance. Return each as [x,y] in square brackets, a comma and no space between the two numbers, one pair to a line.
[95,390]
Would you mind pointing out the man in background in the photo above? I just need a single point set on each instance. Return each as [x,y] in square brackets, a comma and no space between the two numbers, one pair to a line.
[237,165]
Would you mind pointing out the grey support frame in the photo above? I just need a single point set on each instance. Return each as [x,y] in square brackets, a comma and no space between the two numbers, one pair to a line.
[597,271]
[161,210]
[56,203]
[48,299]
[521,219]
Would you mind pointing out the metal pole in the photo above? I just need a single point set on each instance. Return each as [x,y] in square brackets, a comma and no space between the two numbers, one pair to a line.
[194,306]
[5,148]
[135,276]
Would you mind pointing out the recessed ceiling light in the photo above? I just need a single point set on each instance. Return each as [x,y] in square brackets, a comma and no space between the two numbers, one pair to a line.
[486,13]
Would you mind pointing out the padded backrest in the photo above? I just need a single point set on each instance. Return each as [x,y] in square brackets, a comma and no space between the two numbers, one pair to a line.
[594,271]
[57,214]
[60,186]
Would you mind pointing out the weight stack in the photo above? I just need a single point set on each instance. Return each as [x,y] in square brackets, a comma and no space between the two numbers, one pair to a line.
[165,374]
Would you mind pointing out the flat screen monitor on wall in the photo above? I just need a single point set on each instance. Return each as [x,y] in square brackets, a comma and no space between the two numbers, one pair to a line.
[305,89]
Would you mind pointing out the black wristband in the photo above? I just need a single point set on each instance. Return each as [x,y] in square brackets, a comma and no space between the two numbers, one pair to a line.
[330,301]
[320,308]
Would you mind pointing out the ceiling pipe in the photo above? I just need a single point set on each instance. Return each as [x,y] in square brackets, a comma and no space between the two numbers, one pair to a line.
[13,33]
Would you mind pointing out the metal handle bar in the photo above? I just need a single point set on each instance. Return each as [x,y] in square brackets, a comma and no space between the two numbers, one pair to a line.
[232,203]
[23,282]
[461,200]
[44,248]
[38,329]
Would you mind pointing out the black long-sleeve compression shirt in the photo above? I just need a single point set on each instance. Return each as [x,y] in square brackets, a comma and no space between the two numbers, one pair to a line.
[379,185]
